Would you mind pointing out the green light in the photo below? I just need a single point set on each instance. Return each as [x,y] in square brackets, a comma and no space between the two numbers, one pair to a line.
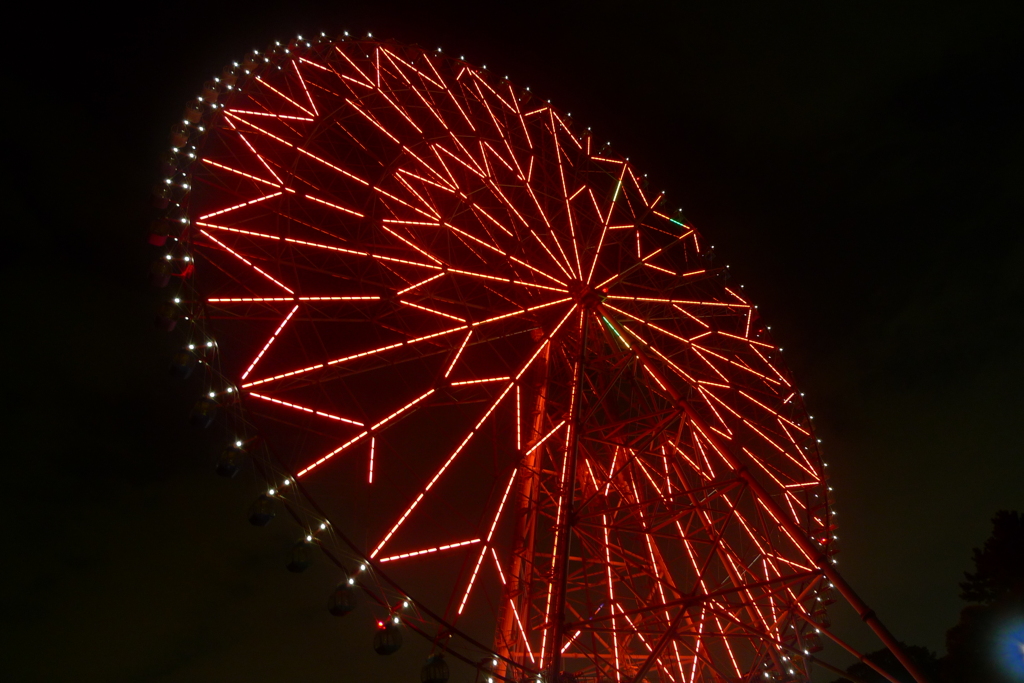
[615,332]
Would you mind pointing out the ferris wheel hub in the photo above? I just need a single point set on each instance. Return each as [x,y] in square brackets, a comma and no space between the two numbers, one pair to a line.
[585,295]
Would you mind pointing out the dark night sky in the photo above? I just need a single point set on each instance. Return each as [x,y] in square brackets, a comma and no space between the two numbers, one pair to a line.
[861,170]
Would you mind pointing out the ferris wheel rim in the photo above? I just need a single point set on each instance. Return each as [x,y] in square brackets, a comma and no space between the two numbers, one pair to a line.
[366,214]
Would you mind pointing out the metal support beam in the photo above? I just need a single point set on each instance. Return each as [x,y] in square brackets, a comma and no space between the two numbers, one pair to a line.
[820,560]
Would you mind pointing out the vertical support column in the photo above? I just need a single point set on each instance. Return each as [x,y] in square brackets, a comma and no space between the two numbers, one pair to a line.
[521,568]
[565,515]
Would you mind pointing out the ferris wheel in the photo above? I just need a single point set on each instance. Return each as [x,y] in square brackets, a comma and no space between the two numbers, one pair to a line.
[492,377]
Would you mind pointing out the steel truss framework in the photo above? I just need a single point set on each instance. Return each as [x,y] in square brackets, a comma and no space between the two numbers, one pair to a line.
[479,342]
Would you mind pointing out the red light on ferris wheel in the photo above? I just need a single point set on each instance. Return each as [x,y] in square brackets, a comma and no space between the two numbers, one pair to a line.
[487,352]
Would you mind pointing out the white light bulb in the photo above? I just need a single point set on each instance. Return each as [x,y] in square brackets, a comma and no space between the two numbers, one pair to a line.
[322,526]
[238,444]
[271,492]
[308,539]
[405,603]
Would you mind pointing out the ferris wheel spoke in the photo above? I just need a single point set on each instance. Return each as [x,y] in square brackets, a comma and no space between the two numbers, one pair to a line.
[503,253]
[288,299]
[384,259]
[373,120]
[491,219]
[269,342]
[551,254]
[235,207]
[284,97]
[305,409]
[366,80]
[399,345]
[771,366]
[259,157]
[764,508]
[305,89]
[455,453]
[428,551]
[283,117]
[440,472]
[423,202]
[782,451]
[239,173]
[430,214]
[777,415]
[430,105]
[375,429]
[247,262]
[336,207]
[501,507]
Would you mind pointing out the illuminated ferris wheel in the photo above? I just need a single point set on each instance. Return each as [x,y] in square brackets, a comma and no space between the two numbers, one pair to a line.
[492,377]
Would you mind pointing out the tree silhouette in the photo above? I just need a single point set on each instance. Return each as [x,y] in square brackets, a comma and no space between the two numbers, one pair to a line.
[922,656]
[999,564]
[973,645]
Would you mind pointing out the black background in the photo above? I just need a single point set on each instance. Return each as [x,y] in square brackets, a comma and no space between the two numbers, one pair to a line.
[859,167]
